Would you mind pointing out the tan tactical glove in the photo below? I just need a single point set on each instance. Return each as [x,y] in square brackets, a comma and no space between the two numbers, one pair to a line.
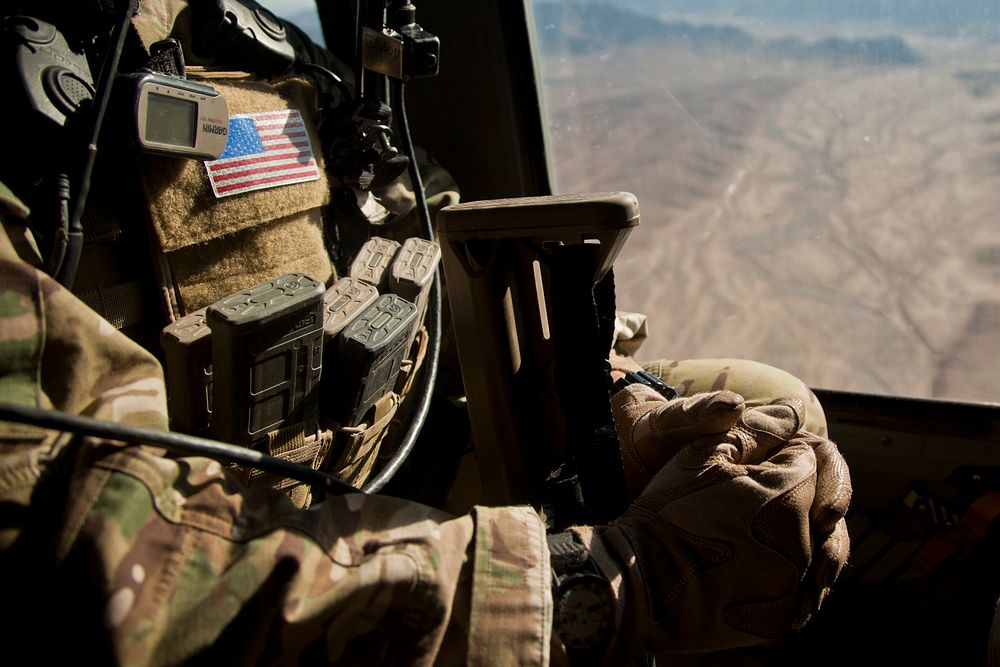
[736,540]
[651,429]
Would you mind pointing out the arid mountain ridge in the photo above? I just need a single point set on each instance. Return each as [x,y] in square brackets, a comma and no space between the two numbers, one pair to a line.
[580,28]
[981,17]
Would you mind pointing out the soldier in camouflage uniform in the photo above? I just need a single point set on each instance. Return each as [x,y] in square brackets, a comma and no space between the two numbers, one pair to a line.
[123,555]
[119,554]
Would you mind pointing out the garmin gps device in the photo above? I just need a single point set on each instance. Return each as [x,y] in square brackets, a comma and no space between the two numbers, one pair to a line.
[179,117]
[267,356]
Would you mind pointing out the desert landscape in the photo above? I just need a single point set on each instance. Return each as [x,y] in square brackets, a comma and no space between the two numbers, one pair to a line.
[827,204]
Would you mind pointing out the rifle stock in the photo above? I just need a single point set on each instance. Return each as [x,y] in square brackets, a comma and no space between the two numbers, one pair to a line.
[496,262]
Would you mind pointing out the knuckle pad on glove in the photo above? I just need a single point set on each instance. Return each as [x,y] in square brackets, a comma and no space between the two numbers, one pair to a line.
[635,400]
[681,419]
[774,424]
[701,414]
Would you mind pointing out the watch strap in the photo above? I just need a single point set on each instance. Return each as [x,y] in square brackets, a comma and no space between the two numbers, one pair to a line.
[566,553]
[570,558]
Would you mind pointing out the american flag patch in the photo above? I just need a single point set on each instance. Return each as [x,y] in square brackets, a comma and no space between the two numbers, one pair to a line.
[264,150]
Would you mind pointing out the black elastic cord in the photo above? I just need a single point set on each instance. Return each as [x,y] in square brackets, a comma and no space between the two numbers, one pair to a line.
[173,442]
[344,89]
[434,329]
[403,124]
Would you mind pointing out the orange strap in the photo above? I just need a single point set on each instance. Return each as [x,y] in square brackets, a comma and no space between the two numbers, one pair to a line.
[960,539]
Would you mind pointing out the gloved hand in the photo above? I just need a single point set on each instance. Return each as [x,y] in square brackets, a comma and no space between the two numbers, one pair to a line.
[735,541]
[651,429]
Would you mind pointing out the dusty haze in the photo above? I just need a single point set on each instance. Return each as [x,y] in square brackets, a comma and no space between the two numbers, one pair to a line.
[838,221]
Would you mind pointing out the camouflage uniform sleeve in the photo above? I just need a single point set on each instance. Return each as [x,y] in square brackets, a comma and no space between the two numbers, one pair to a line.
[125,556]
[195,566]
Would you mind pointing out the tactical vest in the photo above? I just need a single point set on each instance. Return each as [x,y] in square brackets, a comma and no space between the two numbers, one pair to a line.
[181,253]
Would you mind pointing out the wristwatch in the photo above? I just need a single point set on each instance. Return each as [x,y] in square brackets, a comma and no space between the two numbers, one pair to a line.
[583,617]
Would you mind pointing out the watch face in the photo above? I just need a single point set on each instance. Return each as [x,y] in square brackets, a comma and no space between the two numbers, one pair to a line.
[583,611]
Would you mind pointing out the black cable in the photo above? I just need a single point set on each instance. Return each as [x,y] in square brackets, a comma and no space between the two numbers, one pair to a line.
[359,49]
[174,442]
[62,197]
[403,124]
[344,89]
[74,237]
[434,329]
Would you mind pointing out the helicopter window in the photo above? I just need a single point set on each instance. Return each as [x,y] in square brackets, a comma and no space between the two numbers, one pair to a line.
[818,181]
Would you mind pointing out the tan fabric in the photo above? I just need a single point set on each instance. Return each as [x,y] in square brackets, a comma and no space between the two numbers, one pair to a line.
[199,275]
[630,333]
[10,206]
[156,20]
[212,247]
[289,444]
[18,239]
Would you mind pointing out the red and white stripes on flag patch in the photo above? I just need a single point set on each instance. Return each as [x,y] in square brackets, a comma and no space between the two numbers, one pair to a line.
[263,150]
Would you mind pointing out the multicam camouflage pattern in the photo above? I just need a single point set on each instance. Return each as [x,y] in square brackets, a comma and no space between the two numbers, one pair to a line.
[758,383]
[116,554]
[196,566]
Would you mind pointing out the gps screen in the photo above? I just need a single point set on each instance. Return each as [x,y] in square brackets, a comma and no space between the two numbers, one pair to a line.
[170,120]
